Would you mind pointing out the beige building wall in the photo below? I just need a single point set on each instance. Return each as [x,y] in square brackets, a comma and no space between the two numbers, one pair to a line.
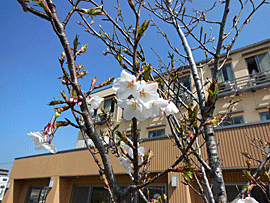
[252,101]
[77,167]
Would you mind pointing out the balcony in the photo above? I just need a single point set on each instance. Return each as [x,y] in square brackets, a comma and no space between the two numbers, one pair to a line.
[250,82]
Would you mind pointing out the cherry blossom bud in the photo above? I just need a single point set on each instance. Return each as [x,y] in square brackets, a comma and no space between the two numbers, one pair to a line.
[80,97]
[63,56]
[79,67]
[79,103]
[61,109]
[71,100]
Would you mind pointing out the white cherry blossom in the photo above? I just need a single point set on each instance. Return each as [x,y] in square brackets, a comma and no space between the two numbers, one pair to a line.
[132,108]
[148,91]
[125,162]
[126,85]
[41,141]
[94,102]
[241,201]
[155,106]
[250,200]
[247,200]
[170,109]
[140,99]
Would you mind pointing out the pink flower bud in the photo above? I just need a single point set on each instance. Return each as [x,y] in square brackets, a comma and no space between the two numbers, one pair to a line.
[80,97]
[79,103]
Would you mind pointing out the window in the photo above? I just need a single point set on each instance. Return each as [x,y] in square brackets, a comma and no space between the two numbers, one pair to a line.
[80,194]
[89,194]
[264,116]
[156,133]
[4,179]
[130,136]
[233,190]
[226,73]
[179,91]
[99,194]
[233,121]
[109,105]
[36,194]
[258,63]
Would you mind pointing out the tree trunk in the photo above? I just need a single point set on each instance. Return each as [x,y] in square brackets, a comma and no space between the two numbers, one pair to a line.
[216,176]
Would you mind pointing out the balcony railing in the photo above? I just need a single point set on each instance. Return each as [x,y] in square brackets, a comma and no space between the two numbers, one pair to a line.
[100,119]
[250,82]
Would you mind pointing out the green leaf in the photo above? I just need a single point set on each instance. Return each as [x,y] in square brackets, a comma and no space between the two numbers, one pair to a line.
[119,56]
[192,114]
[61,124]
[74,95]
[43,5]
[130,26]
[94,11]
[64,96]
[76,42]
[57,114]
[55,102]
[142,29]
[147,71]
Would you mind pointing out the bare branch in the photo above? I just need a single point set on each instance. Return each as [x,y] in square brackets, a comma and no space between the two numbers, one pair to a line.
[70,13]
[27,8]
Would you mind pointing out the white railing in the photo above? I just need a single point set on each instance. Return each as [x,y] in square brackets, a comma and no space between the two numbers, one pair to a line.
[250,82]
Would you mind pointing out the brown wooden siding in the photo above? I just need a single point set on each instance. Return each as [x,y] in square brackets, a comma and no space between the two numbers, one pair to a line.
[78,166]
[233,141]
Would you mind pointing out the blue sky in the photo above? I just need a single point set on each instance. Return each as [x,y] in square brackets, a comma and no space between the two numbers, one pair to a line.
[30,68]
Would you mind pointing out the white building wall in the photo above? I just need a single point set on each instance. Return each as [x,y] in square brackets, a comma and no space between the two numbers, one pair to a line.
[3,186]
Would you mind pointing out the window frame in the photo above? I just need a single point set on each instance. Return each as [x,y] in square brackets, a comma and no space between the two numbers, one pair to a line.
[221,76]
[73,190]
[158,129]
[129,135]
[257,62]
[261,115]
[96,186]
[231,122]
[179,91]
[90,192]
[111,106]
[41,188]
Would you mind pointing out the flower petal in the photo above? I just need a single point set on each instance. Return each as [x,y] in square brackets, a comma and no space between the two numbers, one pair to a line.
[50,147]
[141,150]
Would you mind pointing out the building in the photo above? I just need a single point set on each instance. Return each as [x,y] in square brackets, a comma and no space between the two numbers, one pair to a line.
[72,175]
[3,182]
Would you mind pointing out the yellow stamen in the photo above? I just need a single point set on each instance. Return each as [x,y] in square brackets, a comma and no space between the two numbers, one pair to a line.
[130,84]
